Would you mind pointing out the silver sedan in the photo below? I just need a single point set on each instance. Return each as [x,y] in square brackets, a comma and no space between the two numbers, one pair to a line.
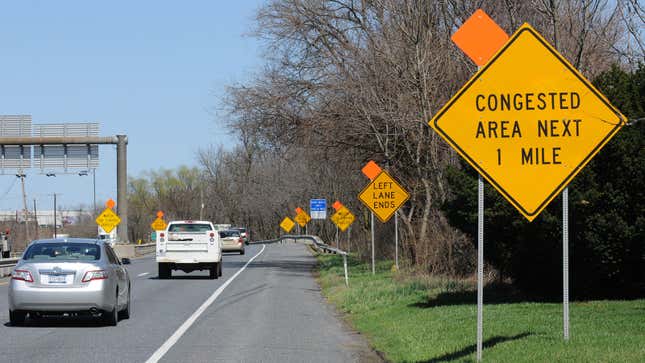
[69,276]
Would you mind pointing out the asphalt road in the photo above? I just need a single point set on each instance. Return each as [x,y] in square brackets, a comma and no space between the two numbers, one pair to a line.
[272,311]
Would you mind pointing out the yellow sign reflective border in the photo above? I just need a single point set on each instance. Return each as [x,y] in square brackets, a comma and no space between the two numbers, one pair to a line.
[343,218]
[287,224]
[528,122]
[383,196]
[108,220]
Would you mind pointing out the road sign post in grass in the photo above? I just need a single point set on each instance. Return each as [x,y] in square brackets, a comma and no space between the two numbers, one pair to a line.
[302,218]
[546,127]
[383,196]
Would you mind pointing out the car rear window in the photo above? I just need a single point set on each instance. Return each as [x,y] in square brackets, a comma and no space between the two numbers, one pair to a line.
[189,227]
[228,233]
[63,251]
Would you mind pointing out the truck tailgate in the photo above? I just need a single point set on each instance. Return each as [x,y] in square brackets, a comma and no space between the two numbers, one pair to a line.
[197,242]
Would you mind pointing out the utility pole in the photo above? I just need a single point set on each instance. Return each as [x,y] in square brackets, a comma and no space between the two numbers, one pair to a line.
[22,176]
[201,203]
[36,220]
[55,215]
[94,186]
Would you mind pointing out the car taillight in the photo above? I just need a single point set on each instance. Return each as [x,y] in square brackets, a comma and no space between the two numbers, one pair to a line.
[23,275]
[241,240]
[95,275]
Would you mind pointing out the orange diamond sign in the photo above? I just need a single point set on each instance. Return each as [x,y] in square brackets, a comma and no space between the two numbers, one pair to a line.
[528,122]
[371,170]
[479,37]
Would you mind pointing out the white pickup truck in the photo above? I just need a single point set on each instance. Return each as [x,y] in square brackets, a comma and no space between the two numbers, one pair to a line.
[189,246]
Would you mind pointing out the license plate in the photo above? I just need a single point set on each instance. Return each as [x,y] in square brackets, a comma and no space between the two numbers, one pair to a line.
[57,279]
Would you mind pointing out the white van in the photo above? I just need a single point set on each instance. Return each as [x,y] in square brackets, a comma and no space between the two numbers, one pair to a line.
[189,246]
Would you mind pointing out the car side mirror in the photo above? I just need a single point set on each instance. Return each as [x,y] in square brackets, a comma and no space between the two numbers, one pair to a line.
[126,261]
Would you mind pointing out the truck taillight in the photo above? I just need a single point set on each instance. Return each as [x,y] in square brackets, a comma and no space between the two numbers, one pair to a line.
[162,235]
[95,275]
[23,275]
[212,234]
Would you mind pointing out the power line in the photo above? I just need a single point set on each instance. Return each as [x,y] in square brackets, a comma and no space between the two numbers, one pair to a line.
[13,183]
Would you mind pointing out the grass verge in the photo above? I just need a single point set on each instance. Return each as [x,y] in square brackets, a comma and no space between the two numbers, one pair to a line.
[423,319]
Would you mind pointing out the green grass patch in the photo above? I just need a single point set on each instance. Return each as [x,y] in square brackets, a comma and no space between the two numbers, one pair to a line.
[425,319]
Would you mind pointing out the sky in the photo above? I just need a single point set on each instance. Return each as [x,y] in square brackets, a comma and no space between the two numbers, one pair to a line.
[152,70]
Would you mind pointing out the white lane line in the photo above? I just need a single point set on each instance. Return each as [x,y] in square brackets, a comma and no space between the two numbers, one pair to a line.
[143,274]
[154,358]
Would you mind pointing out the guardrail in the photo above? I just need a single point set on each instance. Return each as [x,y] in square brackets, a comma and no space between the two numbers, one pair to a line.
[6,265]
[317,242]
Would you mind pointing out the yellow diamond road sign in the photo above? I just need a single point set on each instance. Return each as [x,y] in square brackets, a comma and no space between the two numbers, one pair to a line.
[287,224]
[383,196]
[302,218]
[108,220]
[528,122]
[158,225]
[343,218]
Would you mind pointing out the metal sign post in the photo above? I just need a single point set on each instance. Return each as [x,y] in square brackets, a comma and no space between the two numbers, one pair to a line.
[396,240]
[345,266]
[373,266]
[337,238]
[565,261]
[480,266]
[551,134]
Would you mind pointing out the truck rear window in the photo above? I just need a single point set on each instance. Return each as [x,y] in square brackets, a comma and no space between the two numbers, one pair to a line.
[189,227]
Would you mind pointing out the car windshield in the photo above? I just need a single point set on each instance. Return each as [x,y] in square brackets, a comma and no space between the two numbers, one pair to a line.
[189,227]
[63,251]
[229,233]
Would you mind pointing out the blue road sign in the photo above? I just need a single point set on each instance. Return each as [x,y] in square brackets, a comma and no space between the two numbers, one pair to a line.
[318,208]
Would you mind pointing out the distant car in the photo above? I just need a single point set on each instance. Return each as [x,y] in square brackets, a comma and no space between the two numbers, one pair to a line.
[74,276]
[232,240]
[244,234]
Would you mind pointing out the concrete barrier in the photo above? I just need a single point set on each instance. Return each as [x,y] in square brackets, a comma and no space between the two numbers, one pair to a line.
[132,250]
[6,265]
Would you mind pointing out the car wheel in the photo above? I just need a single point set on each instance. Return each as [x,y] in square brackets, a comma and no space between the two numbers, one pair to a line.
[164,271]
[220,269]
[242,251]
[17,318]
[125,313]
[213,273]
[111,318]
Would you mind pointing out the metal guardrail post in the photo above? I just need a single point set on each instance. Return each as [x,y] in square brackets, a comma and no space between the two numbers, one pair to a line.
[345,265]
